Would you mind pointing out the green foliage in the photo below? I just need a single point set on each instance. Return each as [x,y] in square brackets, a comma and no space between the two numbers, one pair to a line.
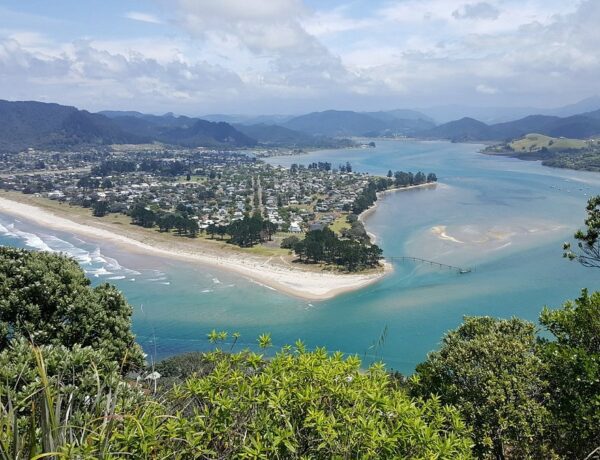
[356,232]
[573,370]
[180,367]
[50,396]
[312,405]
[588,160]
[368,196]
[250,230]
[265,341]
[289,242]
[488,369]
[47,299]
[299,404]
[324,246]
[100,208]
[589,247]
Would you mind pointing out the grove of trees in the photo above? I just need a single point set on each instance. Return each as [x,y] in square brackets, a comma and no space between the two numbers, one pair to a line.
[324,246]
[368,196]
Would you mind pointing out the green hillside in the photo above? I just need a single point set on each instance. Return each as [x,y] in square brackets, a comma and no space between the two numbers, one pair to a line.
[535,142]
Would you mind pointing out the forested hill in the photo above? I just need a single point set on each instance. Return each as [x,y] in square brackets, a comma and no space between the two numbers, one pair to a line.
[26,124]
[468,129]
[279,136]
[348,123]
[41,125]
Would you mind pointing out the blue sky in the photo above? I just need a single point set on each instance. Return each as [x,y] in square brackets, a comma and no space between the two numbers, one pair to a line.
[291,56]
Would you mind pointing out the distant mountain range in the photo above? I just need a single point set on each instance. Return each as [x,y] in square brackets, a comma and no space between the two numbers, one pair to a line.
[54,126]
[337,123]
[492,115]
[468,129]
[37,124]
[280,136]
[180,130]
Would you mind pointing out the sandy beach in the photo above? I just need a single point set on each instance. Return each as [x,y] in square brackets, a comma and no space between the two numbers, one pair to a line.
[273,272]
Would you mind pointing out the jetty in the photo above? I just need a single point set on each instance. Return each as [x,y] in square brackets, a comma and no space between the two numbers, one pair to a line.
[460,270]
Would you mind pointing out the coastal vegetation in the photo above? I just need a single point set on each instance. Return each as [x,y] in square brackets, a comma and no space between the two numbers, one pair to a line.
[581,154]
[494,389]
[351,247]
[324,246]
[588,244]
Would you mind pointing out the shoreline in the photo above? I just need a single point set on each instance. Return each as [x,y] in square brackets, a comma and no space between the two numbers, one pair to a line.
[294,281]
[363,216]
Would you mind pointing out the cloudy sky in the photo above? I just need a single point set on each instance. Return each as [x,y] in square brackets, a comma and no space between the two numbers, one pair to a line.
[290,56]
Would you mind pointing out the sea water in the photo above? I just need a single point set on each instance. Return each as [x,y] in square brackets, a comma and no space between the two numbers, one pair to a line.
[506,219]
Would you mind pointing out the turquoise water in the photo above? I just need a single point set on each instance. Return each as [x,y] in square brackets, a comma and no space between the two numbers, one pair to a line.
[506,218]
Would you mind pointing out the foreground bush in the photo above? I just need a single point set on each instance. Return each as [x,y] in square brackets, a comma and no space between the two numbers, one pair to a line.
[47,299]
[488,369]
[572,368]
[299,404]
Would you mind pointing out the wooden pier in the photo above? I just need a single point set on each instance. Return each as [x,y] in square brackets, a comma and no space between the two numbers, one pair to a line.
[460,270]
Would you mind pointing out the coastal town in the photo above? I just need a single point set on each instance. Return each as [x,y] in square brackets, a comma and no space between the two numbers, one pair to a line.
[202,192]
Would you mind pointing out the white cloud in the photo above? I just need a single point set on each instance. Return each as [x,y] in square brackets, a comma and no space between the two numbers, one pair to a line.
[92,77]
[281,56]
[485,89]
[142,17]
[481,10]
[323,23]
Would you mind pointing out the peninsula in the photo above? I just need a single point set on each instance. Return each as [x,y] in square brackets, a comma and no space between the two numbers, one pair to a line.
[293,229]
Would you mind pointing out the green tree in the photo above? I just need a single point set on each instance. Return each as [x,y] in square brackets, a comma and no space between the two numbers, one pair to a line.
[100,208]
[47,299]
[289,242]
[589,247]
[573,371]
[488,369]
[420,178]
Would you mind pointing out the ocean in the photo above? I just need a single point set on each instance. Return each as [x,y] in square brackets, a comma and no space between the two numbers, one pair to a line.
[504,218]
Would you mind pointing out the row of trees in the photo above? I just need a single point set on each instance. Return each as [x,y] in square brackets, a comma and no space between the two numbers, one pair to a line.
[322,166]
[368,196]
[166,221]
[245,232]
[405,179]
[324,246]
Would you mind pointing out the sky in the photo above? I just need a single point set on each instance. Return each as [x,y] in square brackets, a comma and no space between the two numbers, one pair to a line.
[197,57]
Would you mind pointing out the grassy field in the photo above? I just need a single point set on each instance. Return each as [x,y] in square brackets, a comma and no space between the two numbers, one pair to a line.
[535,142]
[339,224]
